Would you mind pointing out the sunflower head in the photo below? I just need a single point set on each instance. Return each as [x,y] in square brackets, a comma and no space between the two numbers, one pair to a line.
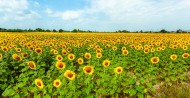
[125,52]
[55,51]
[60,65]
[70,74]
[155,60]
[69,49]
[18,49]
[185,47]
[98,55]
[87,55]
[173,57]
[146,50]
[24,55]
[106,63]
[64,52]
[16,57]
[114,48]
[118,70]
[80,61]
[88,70]
[5,49]
[57,83]
[31,64]
[123,48]
[71,57]
[39,83]
[38,50]
[59,58]
[185,55]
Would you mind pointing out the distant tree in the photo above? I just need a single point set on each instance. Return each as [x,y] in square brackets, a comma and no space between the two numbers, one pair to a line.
[75,30]
[39,30]
[61,30]
[163,31]
[54,30]
[179,31]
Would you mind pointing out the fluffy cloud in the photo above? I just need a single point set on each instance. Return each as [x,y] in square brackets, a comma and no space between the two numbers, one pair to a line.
[140,13]
[16,10]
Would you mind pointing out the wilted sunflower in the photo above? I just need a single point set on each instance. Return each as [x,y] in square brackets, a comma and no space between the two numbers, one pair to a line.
[118,70]
[24,55]
[71,56]
[39,83]
[125,52]
[88,70]
[60,65]
[185,55]
[87,55]
[38,50]
[57,83]
[155,60]
[98,55]
[106,63]
[173,57]
[70,74]
[59,58]
[16,57]
[80,61]
[31,64]
[1,56]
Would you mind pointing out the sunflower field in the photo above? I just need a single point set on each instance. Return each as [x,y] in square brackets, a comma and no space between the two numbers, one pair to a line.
[91,65]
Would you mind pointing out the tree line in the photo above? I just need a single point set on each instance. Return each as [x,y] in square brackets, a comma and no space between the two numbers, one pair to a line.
[78,30]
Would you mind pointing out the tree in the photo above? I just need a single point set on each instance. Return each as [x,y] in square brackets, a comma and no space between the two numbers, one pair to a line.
[39,30]
[60,30]
[75,30]
[163,31]
[179,31]
[54,30]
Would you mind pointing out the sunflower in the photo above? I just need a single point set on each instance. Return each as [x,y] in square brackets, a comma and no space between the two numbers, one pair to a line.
[38,50]
[64,52]
[80,61]
[16,57]
[88,70]
[106,63]
[24,55]
[57,83]
[18,49]
[55,51]
[185,55]
[59,58]
[98,50]
[98,55]
[39,83]
[70,74]
[1,56]
[152,50]
[125,52]
[185,47]
[114,48]
[31,64]
[87,55]
[123,48]
[60,65]
[155,60]
[69,49]
[71,56]
[5,49]
[146,50]
[118,70]
[173,57]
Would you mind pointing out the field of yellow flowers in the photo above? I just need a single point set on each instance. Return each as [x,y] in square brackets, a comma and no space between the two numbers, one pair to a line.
[83,65]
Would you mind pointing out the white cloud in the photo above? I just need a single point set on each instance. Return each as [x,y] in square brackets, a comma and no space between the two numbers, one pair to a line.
[126,13]
[16,10]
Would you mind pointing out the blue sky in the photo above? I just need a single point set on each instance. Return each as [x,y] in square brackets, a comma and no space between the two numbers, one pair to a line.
[99,15]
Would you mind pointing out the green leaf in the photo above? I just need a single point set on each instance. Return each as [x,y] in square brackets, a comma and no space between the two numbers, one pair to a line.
[47,96]
[132,92]
[140,95]
[37,96]
[8,92]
